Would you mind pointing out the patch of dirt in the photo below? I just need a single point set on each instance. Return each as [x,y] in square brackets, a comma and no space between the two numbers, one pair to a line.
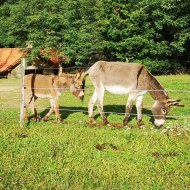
[160,155]
[105,146]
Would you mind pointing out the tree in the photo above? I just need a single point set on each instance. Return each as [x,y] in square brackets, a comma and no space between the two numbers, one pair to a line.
[155,33]
[126,36]
[69,26]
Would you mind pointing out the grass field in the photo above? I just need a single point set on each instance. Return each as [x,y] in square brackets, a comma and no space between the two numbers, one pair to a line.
[76,156]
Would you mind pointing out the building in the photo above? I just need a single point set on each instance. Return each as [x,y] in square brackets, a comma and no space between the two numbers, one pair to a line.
[10,59]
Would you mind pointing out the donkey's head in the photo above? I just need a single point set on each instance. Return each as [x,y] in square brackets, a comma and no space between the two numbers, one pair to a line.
[160,109]
[78,85]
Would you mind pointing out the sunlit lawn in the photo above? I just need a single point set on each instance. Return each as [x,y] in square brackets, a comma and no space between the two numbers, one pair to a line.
[77,155]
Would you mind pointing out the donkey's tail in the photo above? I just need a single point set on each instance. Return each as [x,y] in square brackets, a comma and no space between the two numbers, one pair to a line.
[84,80]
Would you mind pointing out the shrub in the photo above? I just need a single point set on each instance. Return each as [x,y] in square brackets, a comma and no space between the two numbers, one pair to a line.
[157,67]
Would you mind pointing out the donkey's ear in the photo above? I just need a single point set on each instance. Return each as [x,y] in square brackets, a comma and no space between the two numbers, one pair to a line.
[82,71]
[174,103]
[79,74]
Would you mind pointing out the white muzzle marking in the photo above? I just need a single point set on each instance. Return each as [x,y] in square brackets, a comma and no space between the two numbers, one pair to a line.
[159,122]
[81,94]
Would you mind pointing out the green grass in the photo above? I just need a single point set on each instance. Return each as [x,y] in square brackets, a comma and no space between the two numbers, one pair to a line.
[76,155]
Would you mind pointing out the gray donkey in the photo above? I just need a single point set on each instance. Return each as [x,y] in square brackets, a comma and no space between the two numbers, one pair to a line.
[133,79]
[41,86]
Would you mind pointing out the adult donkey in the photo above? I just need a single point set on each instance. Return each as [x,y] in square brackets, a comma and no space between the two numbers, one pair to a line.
[41,86]
[128,78]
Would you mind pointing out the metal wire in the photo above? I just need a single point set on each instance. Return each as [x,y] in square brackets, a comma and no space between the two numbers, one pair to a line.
[95,111]
[91,89]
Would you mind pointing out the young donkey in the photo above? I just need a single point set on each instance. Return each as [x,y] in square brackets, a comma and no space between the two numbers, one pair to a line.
[128,78]
[41,86]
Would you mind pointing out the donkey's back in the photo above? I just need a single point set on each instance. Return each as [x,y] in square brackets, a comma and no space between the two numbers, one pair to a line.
[41,86]
[117,77]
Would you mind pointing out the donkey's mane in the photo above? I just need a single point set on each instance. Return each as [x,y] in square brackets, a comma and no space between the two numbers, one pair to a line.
[156,90]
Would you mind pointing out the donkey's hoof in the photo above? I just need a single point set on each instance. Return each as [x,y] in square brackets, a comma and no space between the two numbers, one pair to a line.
[45,118]
[127,127]
[108,124]
[140,123]
[92,120]
[38,119]
[142,127]
[125,123]
[59,121]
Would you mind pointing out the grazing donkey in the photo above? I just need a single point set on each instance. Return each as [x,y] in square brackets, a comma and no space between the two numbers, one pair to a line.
[128,78]
[41,86]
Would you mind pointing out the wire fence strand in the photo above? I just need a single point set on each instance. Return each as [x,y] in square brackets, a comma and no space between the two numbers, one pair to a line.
[96,112]
[92,89]
[4,107]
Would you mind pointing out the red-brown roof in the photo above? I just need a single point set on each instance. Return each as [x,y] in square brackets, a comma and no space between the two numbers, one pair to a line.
[9,57]
[53,55]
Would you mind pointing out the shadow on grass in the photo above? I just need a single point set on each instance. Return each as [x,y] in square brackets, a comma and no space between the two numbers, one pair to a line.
[65,112]
[121,110]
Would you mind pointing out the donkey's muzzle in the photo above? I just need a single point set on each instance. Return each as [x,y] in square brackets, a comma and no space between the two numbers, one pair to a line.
[159,122]
[81,95]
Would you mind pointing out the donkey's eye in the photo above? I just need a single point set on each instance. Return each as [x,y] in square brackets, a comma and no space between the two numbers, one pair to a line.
[163,111]
[77,86]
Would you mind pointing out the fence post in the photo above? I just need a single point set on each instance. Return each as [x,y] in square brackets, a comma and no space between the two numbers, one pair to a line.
[23,65]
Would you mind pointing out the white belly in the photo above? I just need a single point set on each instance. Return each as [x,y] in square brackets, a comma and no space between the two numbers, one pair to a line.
[118,89]
[43,95]
[48,95]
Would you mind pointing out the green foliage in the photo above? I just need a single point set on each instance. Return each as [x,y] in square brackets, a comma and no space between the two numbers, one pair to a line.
[157,67]
[85,31]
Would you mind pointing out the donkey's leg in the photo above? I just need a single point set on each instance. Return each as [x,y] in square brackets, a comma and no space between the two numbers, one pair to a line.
[100,105]
[56,109]
[50,111]
[34,111]
[139,106]
[128,109]
[91,105]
